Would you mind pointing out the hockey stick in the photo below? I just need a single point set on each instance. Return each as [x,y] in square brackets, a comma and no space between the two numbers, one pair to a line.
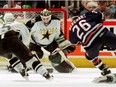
[57,50]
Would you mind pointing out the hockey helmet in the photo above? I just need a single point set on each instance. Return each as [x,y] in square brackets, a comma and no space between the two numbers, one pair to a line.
[45,15]
[8,17]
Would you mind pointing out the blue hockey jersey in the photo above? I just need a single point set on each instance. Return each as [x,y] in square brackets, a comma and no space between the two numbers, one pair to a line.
[85,28]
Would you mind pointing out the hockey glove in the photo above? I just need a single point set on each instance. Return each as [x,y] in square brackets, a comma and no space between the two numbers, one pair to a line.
[67,47]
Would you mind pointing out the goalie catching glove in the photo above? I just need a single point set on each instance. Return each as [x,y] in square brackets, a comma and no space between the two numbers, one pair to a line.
[66,47]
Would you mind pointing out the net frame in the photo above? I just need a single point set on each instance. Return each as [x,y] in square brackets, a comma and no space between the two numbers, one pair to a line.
[45,61]
[39,9]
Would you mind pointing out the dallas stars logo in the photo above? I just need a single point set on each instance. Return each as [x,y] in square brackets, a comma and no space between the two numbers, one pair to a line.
[46,35]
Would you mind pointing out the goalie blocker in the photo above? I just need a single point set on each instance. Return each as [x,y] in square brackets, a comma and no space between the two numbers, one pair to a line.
[66,46]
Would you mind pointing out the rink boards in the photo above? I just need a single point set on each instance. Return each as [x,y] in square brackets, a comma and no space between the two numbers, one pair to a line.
[78,62]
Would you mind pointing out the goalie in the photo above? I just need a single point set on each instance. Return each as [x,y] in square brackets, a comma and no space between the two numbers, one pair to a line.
[46,33]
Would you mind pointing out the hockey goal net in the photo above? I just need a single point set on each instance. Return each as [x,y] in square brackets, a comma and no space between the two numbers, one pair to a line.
[23,15]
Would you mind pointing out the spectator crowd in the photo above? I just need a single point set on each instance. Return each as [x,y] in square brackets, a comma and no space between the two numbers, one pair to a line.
[74,7]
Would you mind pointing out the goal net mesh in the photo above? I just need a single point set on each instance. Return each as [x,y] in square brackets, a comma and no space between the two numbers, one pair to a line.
[23,15]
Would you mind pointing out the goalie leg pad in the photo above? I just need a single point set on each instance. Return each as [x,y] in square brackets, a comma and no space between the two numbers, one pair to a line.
[55,59]
[60,64]
[64,67]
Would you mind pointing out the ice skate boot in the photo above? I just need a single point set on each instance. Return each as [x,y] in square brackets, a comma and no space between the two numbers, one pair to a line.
[48,76]
[110,78]
[100,79]
[24,74]
[105,71]
[11,69]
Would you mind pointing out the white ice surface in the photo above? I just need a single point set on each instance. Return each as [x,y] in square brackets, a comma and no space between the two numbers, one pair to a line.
[82,77]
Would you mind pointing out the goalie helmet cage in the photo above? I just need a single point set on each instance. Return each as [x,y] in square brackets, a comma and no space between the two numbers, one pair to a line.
[23,15]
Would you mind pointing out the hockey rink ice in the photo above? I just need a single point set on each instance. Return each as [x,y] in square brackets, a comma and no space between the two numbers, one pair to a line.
[82,77]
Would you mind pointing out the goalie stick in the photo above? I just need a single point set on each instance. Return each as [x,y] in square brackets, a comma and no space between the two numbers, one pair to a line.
[57,50]
[60,49]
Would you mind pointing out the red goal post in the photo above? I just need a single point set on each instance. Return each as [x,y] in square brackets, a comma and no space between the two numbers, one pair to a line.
[23,15]
[33,13]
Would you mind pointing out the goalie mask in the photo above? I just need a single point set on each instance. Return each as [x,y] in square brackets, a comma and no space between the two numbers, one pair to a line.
[45,15]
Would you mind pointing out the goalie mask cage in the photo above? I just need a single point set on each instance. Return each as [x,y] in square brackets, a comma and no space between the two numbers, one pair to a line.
[23,15]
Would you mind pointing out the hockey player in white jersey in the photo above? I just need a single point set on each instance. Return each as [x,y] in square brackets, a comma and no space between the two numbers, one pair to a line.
[15,39]
[47,33]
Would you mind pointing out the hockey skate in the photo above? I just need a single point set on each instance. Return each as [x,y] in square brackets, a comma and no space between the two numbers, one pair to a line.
[11,69]
[48,76]
[24,74]
[100,79]
[110,78]
[105,71]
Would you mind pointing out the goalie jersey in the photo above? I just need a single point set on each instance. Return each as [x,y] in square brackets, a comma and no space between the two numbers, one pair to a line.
[44,35]
[86,28]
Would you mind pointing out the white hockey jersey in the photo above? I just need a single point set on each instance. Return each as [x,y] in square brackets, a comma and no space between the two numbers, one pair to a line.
[19,27]
[44,35]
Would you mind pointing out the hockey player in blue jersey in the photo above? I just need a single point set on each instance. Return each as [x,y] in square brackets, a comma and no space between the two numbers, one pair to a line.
[88,31]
